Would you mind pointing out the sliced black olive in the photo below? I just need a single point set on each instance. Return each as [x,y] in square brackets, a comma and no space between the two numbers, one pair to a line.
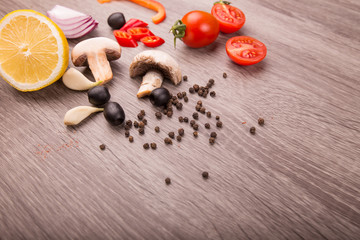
[98,95]
[116,20]
[159,96]
[114,113]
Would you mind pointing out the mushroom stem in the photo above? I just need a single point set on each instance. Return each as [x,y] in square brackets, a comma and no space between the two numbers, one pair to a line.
[100,66]
[151,80]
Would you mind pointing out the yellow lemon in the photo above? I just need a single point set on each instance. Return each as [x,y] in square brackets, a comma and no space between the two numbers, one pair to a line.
[33,50]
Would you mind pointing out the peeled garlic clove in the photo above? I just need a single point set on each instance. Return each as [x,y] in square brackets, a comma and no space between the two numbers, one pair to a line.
[76,115]
[75,80]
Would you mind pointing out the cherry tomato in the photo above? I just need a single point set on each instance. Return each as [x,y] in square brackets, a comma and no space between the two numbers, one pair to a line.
[245,50]
[152,41]
[139,32]
[124,39]
[196,29]
[230,18]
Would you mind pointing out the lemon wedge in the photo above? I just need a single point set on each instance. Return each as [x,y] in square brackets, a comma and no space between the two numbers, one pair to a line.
[34,52]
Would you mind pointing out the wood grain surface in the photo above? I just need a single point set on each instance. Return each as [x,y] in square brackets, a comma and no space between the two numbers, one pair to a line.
[298,177]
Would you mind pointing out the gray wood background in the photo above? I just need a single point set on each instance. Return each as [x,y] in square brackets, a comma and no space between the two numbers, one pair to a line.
[296,178]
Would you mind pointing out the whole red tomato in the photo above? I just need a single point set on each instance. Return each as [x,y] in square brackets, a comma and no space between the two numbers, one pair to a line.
[196,29]
[230,18]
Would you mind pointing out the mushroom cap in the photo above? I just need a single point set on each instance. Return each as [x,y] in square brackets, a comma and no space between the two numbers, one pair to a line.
[156,60]
[97,45]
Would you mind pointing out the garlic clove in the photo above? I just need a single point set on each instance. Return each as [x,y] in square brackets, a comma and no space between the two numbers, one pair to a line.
[75,80]
[76,115]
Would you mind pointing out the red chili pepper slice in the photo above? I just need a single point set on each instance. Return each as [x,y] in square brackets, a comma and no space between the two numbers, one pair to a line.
[139,33]
[152,41]
[124,39]
[133,22]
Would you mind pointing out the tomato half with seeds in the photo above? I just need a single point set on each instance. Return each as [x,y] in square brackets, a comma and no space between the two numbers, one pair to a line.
[245,50]
[230,18]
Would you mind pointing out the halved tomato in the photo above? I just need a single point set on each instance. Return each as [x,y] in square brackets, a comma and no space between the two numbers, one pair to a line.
[230,18]
[245,50]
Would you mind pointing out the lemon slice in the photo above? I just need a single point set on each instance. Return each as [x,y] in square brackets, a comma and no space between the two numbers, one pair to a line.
[33,50]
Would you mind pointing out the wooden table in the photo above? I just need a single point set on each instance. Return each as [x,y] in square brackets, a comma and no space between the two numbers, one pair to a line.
[297,178]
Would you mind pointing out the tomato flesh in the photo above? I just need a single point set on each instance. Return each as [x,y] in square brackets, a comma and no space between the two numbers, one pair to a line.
[152,41]
[202,29]
[124,39]
[231,19]
[245,50]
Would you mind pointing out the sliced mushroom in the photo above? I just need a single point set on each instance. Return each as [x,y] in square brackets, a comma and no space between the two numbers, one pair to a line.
[154,66]
[96,53]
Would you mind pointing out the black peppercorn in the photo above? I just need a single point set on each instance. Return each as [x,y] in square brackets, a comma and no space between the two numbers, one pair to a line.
[129,123]
[252,130]
[168,141]
[186,99]
[157,129]
[211,81]
[146,146]
[192,122]
[158,115]
[153,145]
[209,85]
[207,125]
[141,124]
[261,121]
[212,93]
[141,131]
[136,124]
[174,98]
[224,75]
[186,119]
[211,140]
[102,146]
[144,121]
[165,111]
[191,90]
[195,126]
[175,102]
[181,119]
[126,127]
[195,115]
[169,113]
[199,103]
[185,78]
[205,175]
[213,134]
[171,134]
[167,181]
[183,94]
[196,87]
[219,124]
[181,132]
[217,117]
[127,133]
[208,114]
[140,116]
[179,106]
[142,112]
[200,92]
[198,107]
[196,134]
[179,95]
[131,138]
[178,138]
[202,110]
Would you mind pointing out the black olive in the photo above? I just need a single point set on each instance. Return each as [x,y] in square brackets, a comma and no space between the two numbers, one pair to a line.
[116,20]
[98,95]
[114,113]
[160,96]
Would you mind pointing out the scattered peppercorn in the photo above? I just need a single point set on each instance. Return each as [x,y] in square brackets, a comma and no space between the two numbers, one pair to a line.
[261,121]
[171,134]
[205,93]
[211,81]
[167,141]
[196,134]
[141,131]
[181,132]
[191,90]
[127,133]
[142,112]
[165,111]
[224,75]
[167,181]
[183,94]
[126,127]
[185,78]
[198,107]
[196,126]
[217,117]
[200,92]
[209,85]
[178,138]
[186,99]
[181,119]
[141,124]
[174,98]
[213,134]
[169,113]
[192,122]
[129,123]
[175,102]
[208,114]
[196,87]
[179,95]
[212,93]
[179,106]
[202,110]
[140,116]
[102,146]
[195,115]
[158,115]
[205,175]
[252,130]
[186,119]
[199,103]
[219,124]
[207,125]
[157,129]
[144,121]
[153,145]
[136,124]
[146,146]
[211,140]
[131,138]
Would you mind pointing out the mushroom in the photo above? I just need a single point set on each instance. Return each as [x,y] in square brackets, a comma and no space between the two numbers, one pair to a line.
[154,65]
[96,53]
